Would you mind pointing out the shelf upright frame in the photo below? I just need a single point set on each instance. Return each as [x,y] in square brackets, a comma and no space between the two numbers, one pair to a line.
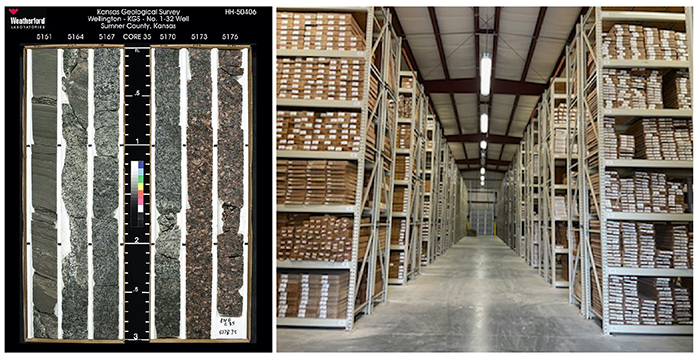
[545,202]
[576,258]
[521,195]
[385,44]
[435,173]
[408,184]
[554,98]
[419,190]
[428,174]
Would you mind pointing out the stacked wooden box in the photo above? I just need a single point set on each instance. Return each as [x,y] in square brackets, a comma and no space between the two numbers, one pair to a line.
[319,31]
[405,106]
[648,245]
[397,265]
[402,168]
[649,138]
[401,201]
[317,182]
[634,42]
[318,131]
[403,137]
[399,231]
[318,238]
[320,78]
[677,90]
[632,89]
[306,295]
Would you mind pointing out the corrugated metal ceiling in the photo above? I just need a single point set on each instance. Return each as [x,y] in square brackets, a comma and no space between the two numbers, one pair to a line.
[516,29]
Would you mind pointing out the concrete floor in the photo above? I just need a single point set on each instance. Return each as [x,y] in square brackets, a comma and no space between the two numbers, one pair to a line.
[479,296]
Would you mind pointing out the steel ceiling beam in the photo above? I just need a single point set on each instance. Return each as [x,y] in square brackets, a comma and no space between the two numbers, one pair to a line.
[446,72]
[477,137]
[526,69]
[464,170]
[533,43]
[562,56]
[438,40]
[477,161]
[408,53]
[471,85]
[477,30]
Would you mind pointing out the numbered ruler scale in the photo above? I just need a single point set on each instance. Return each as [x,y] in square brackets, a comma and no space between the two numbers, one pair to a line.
[137,244]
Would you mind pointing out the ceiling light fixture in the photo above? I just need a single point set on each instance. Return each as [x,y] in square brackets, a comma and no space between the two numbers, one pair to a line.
[485,74]
[483,170]
[483,144]
[482,183]
[484,123]
[482,178]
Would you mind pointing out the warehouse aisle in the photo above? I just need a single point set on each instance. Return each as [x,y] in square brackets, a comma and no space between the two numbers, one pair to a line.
[479,296]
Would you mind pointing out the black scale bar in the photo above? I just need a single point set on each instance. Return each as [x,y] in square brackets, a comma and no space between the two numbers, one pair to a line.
[137,218]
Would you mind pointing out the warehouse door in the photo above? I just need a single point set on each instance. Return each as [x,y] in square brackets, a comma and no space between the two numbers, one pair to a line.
[481,218]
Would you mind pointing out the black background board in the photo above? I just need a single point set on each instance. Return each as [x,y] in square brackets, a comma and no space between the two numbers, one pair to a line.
[205,25]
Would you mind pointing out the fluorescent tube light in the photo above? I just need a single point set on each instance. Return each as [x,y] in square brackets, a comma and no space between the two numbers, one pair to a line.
[485,74]
[484,123]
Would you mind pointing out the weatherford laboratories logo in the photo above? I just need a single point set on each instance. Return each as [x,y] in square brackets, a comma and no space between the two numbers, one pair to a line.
[26,23]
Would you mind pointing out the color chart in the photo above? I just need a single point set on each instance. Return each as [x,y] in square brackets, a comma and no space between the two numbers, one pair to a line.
[137,211]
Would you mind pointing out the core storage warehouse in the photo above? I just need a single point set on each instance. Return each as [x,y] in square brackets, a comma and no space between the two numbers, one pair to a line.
[405,132]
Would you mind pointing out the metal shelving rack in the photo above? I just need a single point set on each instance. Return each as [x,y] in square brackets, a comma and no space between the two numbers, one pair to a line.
[520,210]
[453,201]
[418,195]
[579,259]
[448,196]
[463,216]
[515,198]
[545,201]
[450,174]
[588,51]
[505,209]
[432,158]
[413,187]
[532,195]
[384,45]
[553,166]
[500,211]
[442,188]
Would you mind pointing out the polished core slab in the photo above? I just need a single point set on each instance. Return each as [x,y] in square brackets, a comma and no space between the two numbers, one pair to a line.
[478,296]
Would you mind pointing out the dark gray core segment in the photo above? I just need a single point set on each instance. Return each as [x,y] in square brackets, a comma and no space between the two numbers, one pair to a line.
[168,192]
[44,235]
[74,192]
[105,197]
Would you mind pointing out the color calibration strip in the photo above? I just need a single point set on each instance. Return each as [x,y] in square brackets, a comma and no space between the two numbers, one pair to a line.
[137,207]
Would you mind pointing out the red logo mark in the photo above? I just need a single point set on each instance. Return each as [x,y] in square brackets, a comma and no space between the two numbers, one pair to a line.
[13,11]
